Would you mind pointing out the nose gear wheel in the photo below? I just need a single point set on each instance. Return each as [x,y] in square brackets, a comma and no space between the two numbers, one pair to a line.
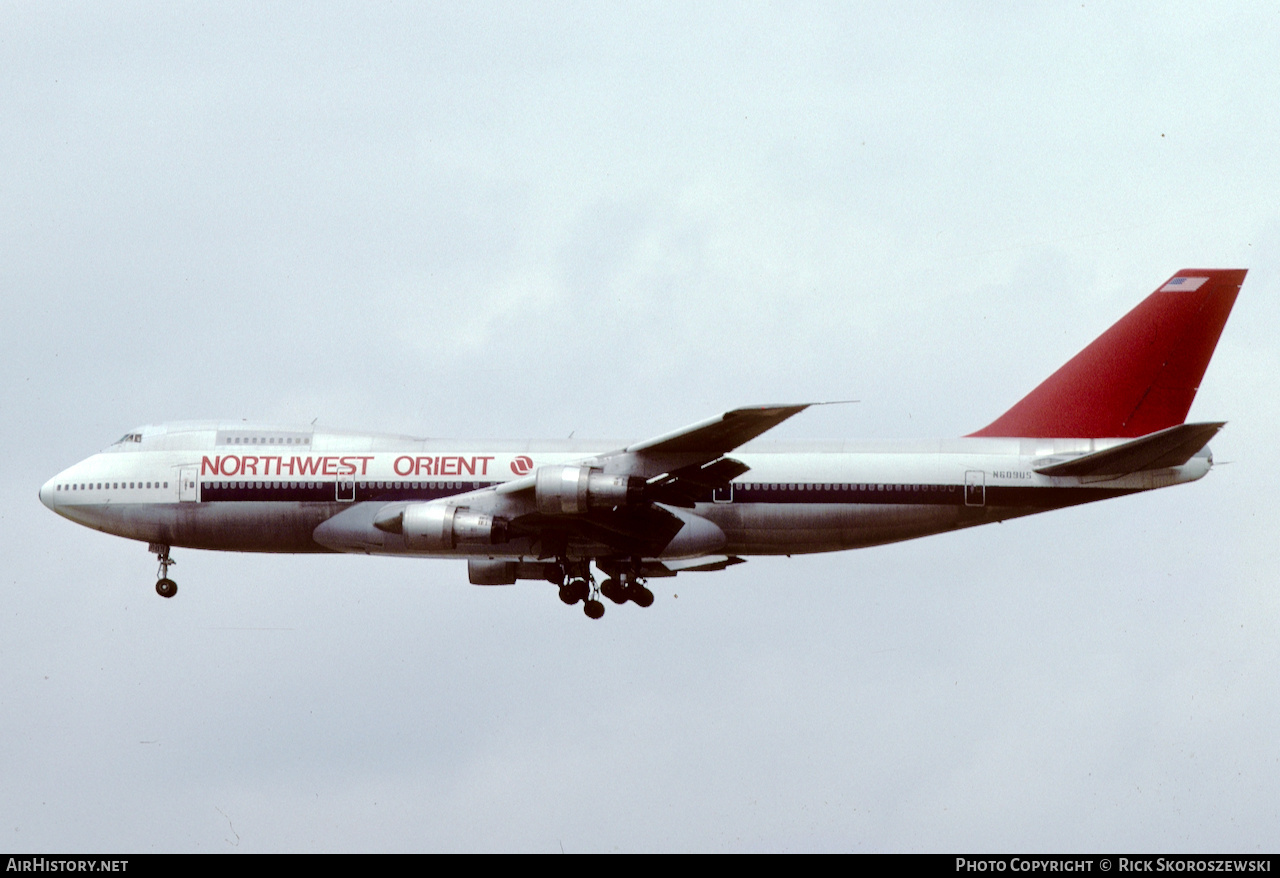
[165,587]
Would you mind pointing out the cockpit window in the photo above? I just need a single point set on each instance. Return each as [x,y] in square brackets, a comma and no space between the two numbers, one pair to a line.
[129,437]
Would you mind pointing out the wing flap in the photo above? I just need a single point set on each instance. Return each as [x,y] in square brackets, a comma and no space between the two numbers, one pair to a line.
[687,485]
[629,530]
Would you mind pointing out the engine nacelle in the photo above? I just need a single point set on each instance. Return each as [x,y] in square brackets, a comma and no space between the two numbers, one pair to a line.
[438,526]
[488,571]
[570,490]
[491,572]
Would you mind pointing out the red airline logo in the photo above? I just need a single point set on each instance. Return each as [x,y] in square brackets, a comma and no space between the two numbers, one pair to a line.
[522,465]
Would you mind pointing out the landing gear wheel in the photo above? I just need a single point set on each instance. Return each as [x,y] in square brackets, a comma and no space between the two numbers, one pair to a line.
[575,590]
[593,608]
[614,591]
[166,587]
[640,595]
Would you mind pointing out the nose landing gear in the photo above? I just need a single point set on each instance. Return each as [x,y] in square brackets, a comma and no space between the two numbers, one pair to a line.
[165,587]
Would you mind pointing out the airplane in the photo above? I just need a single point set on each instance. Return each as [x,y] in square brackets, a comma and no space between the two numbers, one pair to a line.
[1108,423]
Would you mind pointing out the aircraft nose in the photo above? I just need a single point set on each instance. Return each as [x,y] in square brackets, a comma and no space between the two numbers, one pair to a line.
[47,493]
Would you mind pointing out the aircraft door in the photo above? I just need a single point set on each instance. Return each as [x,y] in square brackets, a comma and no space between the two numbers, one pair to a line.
[975,488]
[188,485]
[345,488]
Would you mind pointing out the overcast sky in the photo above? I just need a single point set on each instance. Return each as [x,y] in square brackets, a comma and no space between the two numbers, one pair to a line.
[607,220]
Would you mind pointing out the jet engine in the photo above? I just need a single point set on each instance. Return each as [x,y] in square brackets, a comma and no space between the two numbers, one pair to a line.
[482,571]
[439,526]
[570,490]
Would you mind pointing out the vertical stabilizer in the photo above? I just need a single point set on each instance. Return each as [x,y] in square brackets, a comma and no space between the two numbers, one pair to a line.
[1140,375]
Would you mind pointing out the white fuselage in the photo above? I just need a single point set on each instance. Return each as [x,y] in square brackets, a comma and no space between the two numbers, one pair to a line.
[239,488]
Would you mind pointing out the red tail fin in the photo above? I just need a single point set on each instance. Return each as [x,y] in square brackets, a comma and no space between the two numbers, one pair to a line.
[1141,374]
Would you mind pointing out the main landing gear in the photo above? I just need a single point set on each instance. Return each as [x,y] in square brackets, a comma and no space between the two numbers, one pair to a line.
[625,587]
[578,584]
[165,587]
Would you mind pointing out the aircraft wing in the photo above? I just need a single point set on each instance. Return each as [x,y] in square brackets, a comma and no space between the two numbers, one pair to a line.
[677,469]
[684,465]
[692,455]
[719,435]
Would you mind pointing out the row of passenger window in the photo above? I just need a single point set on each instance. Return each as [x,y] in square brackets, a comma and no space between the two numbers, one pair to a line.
[850,486]
[748,486]
[109,486]
[266,440]
[430,486]
[229,485]
[363,486]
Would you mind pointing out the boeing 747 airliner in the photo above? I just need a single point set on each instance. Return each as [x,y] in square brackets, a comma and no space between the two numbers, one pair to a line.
[1108,423]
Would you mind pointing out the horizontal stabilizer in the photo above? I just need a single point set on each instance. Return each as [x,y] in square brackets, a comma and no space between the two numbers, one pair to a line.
[1164,448]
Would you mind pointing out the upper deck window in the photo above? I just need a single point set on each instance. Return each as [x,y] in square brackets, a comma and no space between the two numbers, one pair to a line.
[256,437]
